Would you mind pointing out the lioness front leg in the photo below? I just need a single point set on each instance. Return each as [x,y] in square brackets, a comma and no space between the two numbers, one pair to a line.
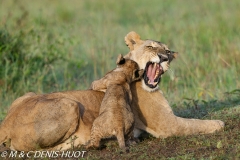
[154,115]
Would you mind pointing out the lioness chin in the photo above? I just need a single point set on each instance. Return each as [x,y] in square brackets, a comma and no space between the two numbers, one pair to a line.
[62,120]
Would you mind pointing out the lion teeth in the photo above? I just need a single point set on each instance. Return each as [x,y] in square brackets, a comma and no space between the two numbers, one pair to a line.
[156,75]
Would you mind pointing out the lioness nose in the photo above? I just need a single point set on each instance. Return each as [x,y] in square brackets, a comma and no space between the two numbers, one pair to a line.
[163,58]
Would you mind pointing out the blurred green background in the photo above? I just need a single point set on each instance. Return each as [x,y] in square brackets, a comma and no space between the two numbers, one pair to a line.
[48,46]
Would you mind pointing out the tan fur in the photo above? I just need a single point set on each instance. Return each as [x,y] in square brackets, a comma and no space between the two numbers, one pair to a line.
[163,123]
[64,119]
[148,51]
[115,115]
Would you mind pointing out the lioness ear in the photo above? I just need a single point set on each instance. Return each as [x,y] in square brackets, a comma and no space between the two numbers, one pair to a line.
[175,54]
[120,60]
[172,55]
[137,74]
[131,39]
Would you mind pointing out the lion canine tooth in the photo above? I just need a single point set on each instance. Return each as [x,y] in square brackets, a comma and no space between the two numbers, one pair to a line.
[155,64]
[157,72]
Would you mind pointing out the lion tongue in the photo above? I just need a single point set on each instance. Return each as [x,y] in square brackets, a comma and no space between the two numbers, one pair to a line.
[151,72]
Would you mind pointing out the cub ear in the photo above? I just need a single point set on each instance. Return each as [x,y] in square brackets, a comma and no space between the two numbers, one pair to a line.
[137,74]
[131,39]
[120,60]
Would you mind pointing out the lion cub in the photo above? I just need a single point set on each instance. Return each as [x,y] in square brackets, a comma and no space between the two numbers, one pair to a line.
[115,116]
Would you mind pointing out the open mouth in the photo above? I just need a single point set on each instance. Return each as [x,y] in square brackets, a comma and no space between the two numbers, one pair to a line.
[152,74]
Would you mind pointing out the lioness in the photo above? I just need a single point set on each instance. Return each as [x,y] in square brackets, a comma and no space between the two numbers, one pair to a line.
[115,115]
[64,119]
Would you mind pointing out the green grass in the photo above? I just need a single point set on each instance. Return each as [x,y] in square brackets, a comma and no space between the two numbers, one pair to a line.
[48,46]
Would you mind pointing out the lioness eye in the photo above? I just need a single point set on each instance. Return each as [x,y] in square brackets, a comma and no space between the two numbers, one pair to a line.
[150,47]
[168,52]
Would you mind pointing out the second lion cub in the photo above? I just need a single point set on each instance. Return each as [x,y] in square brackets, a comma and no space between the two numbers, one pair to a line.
[115,116]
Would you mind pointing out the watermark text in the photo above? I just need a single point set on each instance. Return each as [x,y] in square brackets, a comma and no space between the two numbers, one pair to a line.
[43,154]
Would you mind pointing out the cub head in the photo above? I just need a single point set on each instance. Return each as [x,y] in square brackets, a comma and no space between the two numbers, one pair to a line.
[152,56]
[129,69]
